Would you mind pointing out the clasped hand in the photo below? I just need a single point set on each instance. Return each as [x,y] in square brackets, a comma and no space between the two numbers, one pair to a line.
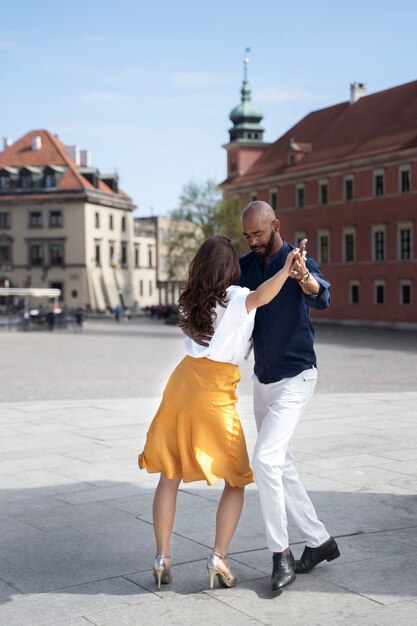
[299,267]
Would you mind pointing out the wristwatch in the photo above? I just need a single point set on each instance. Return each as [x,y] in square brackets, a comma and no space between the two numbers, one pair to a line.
[305,278]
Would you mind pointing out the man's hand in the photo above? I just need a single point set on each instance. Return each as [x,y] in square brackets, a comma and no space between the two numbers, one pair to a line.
[201,339]
[299,267]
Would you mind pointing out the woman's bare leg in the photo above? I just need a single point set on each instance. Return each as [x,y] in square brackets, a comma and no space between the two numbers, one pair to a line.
[227,518]
[164,504]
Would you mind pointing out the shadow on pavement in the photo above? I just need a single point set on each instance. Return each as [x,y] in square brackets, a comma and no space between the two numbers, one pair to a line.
[71,540]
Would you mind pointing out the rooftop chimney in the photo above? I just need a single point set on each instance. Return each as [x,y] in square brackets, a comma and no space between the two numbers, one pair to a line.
[74,153]
[6,142]
[357,90]
[85,158]
[36,143]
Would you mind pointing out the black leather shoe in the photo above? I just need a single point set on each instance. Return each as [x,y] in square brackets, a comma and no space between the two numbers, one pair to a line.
[282,571]
[313,556]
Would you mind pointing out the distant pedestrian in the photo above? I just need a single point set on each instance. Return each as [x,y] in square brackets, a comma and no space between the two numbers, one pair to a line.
[79,319]
[117,311]
[50,319]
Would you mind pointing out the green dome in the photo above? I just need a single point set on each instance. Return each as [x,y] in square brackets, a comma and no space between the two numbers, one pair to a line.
[246,109]
[246,118]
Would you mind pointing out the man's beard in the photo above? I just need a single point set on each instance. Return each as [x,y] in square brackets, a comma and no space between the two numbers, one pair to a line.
[266,250]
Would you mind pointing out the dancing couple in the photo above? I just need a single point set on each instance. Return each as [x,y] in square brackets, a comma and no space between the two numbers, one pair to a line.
[196,433]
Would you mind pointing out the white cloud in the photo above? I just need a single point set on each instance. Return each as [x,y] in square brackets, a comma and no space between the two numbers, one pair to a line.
[9,46]
[105,98]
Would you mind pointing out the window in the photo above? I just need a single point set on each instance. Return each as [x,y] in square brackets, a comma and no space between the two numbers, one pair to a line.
[379,292]
[59,286]
[379,183]
[349,188]
[111,255]
[56,253]
[378,243]
[150,287]
[97,220]
[124,254]
[123,223]
[98,258]
[150,256]
[35,219]
[324,192]
[5,254]
[300,196]
[349,245]
[4,220]
[25,180]
[354,292]
[137,255]
[323,246]
[405,292]
[55,219]
[405,179]
[141,287]
[273,199]
[49,180]
[405,243]
[5,181]
[111,222]
[35,254]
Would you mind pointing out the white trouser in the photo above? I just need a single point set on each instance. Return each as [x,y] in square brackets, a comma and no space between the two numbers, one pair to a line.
[278,408]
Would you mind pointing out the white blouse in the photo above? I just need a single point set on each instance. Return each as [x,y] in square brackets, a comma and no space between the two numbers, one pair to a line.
[233,327]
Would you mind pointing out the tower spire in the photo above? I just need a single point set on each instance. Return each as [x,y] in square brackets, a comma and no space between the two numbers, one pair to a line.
[246,117]
[245,65]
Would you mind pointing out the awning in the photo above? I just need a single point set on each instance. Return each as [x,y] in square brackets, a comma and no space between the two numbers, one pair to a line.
[36,293]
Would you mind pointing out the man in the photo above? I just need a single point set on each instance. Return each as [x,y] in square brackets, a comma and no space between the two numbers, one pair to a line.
[285,376]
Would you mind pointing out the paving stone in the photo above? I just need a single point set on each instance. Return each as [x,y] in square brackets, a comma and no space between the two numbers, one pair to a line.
[383,579]
[176,611]
[402,613]
[11,529]
[68,605]
[58,516]
[307,597]
[74,556]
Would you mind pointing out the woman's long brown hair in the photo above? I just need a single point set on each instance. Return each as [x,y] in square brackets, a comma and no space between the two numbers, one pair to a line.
[214,268]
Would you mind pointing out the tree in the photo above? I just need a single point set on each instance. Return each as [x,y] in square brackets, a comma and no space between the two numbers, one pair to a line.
[181,242]
[200,204]
[203,206]
[228,220]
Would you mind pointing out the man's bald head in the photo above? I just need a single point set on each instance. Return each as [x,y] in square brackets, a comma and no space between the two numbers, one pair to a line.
[258,209]
[261,228]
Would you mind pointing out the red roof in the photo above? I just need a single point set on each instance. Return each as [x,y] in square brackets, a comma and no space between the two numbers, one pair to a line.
[51,152]
[382,122]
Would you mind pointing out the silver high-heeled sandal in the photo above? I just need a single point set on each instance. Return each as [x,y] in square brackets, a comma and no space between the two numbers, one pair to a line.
[162,574]
[225,580]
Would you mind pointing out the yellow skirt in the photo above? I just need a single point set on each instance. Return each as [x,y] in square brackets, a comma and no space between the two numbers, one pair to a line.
[196,433]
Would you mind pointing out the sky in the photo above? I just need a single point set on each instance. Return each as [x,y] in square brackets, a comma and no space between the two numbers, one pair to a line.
[147,87]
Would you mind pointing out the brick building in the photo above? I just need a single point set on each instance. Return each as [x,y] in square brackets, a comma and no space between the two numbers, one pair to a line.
[345,177]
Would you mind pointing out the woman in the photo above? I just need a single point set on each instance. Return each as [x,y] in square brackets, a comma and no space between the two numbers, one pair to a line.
[196,433]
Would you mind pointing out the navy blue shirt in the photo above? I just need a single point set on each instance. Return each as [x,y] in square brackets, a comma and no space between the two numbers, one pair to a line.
[283,333]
